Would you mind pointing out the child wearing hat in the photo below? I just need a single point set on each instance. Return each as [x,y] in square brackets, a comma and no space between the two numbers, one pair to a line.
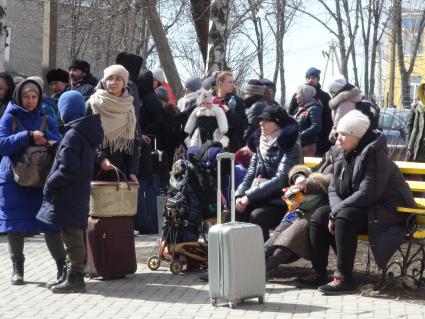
[207,122]
[67,189]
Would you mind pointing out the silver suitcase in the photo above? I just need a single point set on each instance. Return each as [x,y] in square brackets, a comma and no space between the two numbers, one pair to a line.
[236,262]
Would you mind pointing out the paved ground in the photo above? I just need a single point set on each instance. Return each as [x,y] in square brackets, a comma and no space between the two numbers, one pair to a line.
[163,295]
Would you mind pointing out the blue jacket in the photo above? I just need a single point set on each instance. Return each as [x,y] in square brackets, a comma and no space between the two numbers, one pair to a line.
[309,118]
[19,205]
[67,189]
[276,165]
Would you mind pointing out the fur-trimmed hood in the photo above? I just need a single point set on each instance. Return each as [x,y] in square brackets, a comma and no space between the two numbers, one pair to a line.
[317,183]
[352,94]
[297,170]
[287,138]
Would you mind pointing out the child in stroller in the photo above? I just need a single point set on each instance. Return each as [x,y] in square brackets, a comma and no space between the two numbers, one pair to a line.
[190,203]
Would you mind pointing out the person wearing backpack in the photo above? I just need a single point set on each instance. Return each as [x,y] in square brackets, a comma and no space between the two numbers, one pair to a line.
[67,189]
[22,126]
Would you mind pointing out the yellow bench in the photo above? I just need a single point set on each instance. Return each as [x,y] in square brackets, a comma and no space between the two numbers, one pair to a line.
[405,167]
[413,259]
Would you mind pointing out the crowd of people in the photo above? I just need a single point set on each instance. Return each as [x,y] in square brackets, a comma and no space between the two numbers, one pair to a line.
[100,125]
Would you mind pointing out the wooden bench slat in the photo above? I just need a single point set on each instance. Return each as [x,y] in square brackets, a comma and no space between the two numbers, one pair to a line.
[416,186]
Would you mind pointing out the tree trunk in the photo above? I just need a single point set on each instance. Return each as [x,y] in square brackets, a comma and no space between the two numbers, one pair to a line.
[3,32]
[217,36]
[200,10]
[404,71]
[163,48]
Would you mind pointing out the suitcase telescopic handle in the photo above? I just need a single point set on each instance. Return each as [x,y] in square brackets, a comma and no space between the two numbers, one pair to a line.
[220,157]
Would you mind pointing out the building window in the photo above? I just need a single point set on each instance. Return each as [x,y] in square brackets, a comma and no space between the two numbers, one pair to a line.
[410,25]
[415,81]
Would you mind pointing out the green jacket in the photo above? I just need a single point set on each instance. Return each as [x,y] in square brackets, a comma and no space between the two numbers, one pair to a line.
[416,141]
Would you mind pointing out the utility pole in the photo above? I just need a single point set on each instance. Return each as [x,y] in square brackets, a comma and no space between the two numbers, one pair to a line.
[50,16]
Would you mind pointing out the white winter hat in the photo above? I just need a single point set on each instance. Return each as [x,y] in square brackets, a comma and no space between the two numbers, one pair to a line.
[353,123]
[336,83]
[158,74]
[118,70]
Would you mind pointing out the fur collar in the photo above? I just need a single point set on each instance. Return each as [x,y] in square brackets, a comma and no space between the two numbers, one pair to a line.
[287,138]
[354,95]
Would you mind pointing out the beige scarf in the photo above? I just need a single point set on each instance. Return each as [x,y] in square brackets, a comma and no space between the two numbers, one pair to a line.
[267,141]
[118,120]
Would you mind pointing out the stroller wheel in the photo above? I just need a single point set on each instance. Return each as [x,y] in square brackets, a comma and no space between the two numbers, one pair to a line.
[176,267]
[153,263]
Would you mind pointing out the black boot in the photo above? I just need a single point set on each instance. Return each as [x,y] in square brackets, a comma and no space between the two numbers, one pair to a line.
[61,274]
[74,282]
[18,271]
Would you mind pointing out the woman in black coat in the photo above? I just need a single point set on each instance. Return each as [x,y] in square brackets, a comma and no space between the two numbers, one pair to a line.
[276,152]
[365,190]
[120,147]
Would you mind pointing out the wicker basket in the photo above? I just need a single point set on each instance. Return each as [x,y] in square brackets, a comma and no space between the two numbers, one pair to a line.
[112,199]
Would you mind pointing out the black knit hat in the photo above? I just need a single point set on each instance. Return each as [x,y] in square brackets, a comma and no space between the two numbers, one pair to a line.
[57,75]
[80,65]
[131,62]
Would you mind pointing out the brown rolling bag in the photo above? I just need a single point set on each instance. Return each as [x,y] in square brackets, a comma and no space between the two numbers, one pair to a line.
[111,251]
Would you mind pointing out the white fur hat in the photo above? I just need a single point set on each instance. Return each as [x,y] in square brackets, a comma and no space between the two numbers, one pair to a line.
[353,123]
[158,74]
[336,83]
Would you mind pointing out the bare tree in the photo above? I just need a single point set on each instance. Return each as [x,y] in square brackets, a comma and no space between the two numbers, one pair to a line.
[415,20]
[281,19]
[161,42]
[344,28]
[217,36]
[373,25]
[200,10]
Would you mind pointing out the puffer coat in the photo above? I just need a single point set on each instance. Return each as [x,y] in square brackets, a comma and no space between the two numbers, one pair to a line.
[379,188]
[19,205]
[280,158]
[67,189]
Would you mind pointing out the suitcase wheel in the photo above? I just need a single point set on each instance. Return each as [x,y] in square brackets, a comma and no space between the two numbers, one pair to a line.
[153,263]
[232,304]
[214,302]
[261,300]
[176,267]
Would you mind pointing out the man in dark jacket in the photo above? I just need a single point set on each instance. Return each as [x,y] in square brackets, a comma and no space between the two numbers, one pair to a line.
[269,92]
[67,189]
[58,81]
[312,77]
[254,105]
[81,79]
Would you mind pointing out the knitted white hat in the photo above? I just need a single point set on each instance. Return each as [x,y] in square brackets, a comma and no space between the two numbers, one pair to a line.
[158,74]
[118,70]
[336,83]
[353,123]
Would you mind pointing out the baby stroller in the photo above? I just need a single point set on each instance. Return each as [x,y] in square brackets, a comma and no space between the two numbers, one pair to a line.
[190,204]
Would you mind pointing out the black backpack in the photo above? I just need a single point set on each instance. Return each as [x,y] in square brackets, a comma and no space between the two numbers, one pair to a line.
[368,109]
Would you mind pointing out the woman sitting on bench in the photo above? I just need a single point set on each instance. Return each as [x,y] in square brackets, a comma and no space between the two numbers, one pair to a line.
[365,190]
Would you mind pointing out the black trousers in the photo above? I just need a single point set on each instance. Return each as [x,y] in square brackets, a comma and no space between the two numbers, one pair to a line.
[349,223]
[265,216]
